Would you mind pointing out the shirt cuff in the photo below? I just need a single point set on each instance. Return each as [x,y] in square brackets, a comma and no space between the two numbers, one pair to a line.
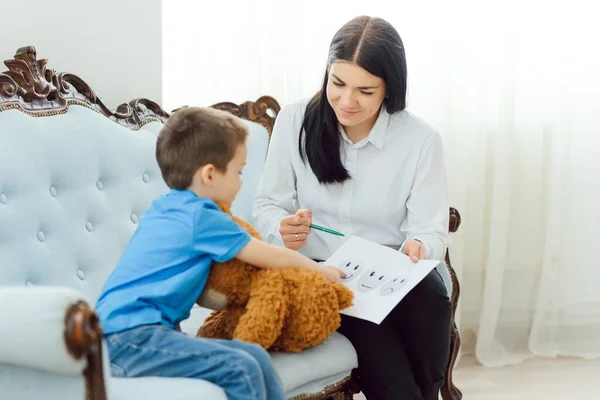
[274,237]
[269,228]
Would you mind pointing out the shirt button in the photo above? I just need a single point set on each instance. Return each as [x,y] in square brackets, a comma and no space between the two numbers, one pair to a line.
[89,226]
[3,198]
[99,185]
[134,218]
[52,191]
[80,274]
[41,237]
[146,178]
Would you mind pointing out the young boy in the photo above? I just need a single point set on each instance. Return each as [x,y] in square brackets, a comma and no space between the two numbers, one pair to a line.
[201,153]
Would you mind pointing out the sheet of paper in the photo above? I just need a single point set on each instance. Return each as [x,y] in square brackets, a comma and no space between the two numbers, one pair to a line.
[379,276]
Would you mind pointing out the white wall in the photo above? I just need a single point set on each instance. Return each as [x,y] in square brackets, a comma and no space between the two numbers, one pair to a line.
[113,45]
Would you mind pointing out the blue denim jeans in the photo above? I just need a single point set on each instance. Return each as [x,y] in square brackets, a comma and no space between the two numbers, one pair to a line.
[243,370]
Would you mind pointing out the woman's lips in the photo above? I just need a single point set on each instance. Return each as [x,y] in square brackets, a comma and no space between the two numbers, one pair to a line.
[347,113]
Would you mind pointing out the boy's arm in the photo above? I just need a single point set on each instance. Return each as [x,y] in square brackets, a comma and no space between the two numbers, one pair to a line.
[219,236]
[264,255]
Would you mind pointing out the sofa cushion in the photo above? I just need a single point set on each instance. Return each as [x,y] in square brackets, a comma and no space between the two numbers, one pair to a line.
[14,383]
[163,388]
[22,383]
[332,360]
[335,356]
[33,323]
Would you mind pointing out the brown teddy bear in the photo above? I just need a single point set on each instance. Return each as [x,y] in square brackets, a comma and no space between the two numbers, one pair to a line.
[284,310]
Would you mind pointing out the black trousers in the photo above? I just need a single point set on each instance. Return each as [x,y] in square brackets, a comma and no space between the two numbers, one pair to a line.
[405,357]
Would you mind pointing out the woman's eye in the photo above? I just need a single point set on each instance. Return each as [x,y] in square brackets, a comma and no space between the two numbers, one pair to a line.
[366,93]
[338,84]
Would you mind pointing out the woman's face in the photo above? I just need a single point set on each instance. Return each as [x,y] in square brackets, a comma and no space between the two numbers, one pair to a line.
[354,94]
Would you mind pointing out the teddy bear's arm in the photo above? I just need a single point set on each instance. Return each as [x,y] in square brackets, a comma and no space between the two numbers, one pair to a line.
[265,311]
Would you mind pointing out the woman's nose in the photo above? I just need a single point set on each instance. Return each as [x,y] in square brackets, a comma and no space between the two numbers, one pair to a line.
[347,99]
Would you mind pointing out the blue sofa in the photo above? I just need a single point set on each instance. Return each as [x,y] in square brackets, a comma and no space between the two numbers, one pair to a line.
[74,179]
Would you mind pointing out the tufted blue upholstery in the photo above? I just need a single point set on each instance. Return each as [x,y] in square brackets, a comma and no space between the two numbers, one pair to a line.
[72,189]
[73,186]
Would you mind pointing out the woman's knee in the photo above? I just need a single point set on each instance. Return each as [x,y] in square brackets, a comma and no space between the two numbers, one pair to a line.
[433,283]
[430,295]
[436,307]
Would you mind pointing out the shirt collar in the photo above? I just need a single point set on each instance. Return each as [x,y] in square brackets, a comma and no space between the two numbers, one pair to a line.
[377,135]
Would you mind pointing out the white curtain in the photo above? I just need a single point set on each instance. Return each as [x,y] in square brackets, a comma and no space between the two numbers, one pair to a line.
[514,88]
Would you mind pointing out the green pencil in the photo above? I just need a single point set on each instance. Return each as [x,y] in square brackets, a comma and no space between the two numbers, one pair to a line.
[322,229]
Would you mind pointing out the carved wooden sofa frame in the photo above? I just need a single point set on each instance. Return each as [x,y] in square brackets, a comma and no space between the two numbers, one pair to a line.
[31,87]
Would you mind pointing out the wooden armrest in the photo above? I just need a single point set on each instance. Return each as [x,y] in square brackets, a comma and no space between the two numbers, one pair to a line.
[455,220]
[83,337]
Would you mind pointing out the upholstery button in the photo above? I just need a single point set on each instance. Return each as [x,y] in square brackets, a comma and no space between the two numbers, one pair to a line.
[89,226]
[100,185]
[134,218]
[145,178]
[41,237]
[28,283]
[52,191]
[3,198]
[80,274]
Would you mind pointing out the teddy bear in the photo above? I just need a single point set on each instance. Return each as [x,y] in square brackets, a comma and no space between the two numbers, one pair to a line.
[285,310]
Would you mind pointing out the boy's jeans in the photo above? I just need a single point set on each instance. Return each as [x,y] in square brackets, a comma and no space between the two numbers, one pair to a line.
[243,370]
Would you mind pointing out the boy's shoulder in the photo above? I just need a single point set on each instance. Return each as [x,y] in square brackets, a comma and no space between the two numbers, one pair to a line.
[181,205]
[182,200]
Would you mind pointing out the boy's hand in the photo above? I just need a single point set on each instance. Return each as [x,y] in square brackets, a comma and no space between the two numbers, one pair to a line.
[332,273]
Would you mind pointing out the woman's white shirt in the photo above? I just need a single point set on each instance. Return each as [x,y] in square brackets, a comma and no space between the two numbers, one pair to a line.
[398,189]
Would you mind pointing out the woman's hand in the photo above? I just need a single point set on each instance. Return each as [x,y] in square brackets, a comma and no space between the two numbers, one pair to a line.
[294,229]
[415,250]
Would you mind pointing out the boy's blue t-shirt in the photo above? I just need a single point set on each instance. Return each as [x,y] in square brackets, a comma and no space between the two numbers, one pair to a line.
[166,264]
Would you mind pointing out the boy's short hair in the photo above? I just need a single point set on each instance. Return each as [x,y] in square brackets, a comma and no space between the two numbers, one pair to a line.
[194,137]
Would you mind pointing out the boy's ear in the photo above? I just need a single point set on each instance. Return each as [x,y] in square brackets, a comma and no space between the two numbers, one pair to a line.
[207,174]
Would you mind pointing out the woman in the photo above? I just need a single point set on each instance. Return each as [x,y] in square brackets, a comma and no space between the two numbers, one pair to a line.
[353,159]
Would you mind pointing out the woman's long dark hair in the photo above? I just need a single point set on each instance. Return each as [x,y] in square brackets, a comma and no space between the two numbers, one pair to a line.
[374,45]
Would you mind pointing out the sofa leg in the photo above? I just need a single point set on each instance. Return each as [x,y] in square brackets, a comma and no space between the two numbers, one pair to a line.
[449,390]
